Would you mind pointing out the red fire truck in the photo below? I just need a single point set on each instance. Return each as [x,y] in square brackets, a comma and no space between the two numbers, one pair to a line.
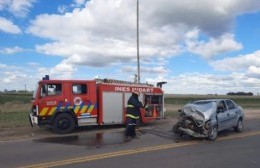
[66,104]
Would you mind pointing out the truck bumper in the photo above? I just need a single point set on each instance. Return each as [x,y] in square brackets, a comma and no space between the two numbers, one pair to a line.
[33,119]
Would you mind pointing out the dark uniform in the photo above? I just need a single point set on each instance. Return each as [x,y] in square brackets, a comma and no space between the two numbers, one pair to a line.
[132,114]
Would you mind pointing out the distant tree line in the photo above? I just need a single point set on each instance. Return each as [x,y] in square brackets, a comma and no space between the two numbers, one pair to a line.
[16,91]
[240,94]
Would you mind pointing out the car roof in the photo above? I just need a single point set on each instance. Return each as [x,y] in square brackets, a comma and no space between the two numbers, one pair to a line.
[210,100]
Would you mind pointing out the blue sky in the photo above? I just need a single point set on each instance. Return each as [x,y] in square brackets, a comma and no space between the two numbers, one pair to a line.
[198,47]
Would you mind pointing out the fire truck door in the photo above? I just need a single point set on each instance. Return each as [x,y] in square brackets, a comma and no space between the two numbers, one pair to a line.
[82,104]
[51,99]
[112,107]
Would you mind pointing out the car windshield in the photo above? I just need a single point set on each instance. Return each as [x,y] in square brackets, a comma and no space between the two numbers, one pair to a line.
[203,102]
[207,108]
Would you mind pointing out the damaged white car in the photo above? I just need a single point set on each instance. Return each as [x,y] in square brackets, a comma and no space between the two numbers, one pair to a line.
[204,118]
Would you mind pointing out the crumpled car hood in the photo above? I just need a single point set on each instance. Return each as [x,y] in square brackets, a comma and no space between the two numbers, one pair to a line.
[201,112]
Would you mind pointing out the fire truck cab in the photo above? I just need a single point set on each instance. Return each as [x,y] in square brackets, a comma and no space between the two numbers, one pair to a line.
[66,104]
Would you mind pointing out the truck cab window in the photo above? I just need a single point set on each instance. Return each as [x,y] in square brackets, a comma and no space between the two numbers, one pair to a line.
[51,90]
[79,88]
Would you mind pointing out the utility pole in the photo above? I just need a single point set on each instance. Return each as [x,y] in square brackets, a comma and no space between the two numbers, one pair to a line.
[137,41]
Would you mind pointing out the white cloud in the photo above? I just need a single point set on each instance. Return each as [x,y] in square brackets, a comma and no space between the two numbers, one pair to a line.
[155,70]
[84,37]
[62,9]
[102,33]
[18,8]
[154,80]
[253,72]
[4,3]
[146,70]
[212,17]
[198,83]
[12,76]
[213,46]
[79,2]
[62,71]
[16,77]
[8,26]
[3,66]
[13,50]
[239,63]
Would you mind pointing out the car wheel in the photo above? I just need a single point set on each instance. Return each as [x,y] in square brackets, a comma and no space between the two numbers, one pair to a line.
[213,133]
[63,123]
[239,127]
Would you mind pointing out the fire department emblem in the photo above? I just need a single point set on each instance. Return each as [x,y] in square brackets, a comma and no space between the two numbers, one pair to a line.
[77,100]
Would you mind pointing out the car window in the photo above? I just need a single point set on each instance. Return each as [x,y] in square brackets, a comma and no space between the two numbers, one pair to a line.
[222,106]
[230,105]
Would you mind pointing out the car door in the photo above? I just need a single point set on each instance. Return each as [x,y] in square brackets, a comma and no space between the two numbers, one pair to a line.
[232,113]
[222,115]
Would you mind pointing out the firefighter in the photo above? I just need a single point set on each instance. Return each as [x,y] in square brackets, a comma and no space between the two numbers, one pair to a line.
[132,114]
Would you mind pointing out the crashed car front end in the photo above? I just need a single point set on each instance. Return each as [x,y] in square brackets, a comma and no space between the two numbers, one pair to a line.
[196,120]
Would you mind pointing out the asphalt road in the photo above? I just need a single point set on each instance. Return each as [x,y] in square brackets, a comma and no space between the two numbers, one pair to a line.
[156,147]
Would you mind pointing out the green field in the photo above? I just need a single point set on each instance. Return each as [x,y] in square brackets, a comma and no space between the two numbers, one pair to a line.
[14,108]
[244,101]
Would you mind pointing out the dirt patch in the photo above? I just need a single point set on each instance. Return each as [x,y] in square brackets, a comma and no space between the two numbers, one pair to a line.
[252,113]
[25,132]
[172,108]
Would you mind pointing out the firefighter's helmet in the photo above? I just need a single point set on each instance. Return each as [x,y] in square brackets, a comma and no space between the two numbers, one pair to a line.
[137,92]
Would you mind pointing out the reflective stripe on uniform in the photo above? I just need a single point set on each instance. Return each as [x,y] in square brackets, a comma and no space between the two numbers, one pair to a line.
[130,106]
[132,116]
[132,124]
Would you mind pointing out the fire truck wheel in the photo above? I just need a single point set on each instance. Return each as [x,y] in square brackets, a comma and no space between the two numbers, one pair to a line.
[63,123]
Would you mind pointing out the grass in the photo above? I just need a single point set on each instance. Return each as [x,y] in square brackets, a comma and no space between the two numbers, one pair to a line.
[14,110]
[14,119]
[15,97]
